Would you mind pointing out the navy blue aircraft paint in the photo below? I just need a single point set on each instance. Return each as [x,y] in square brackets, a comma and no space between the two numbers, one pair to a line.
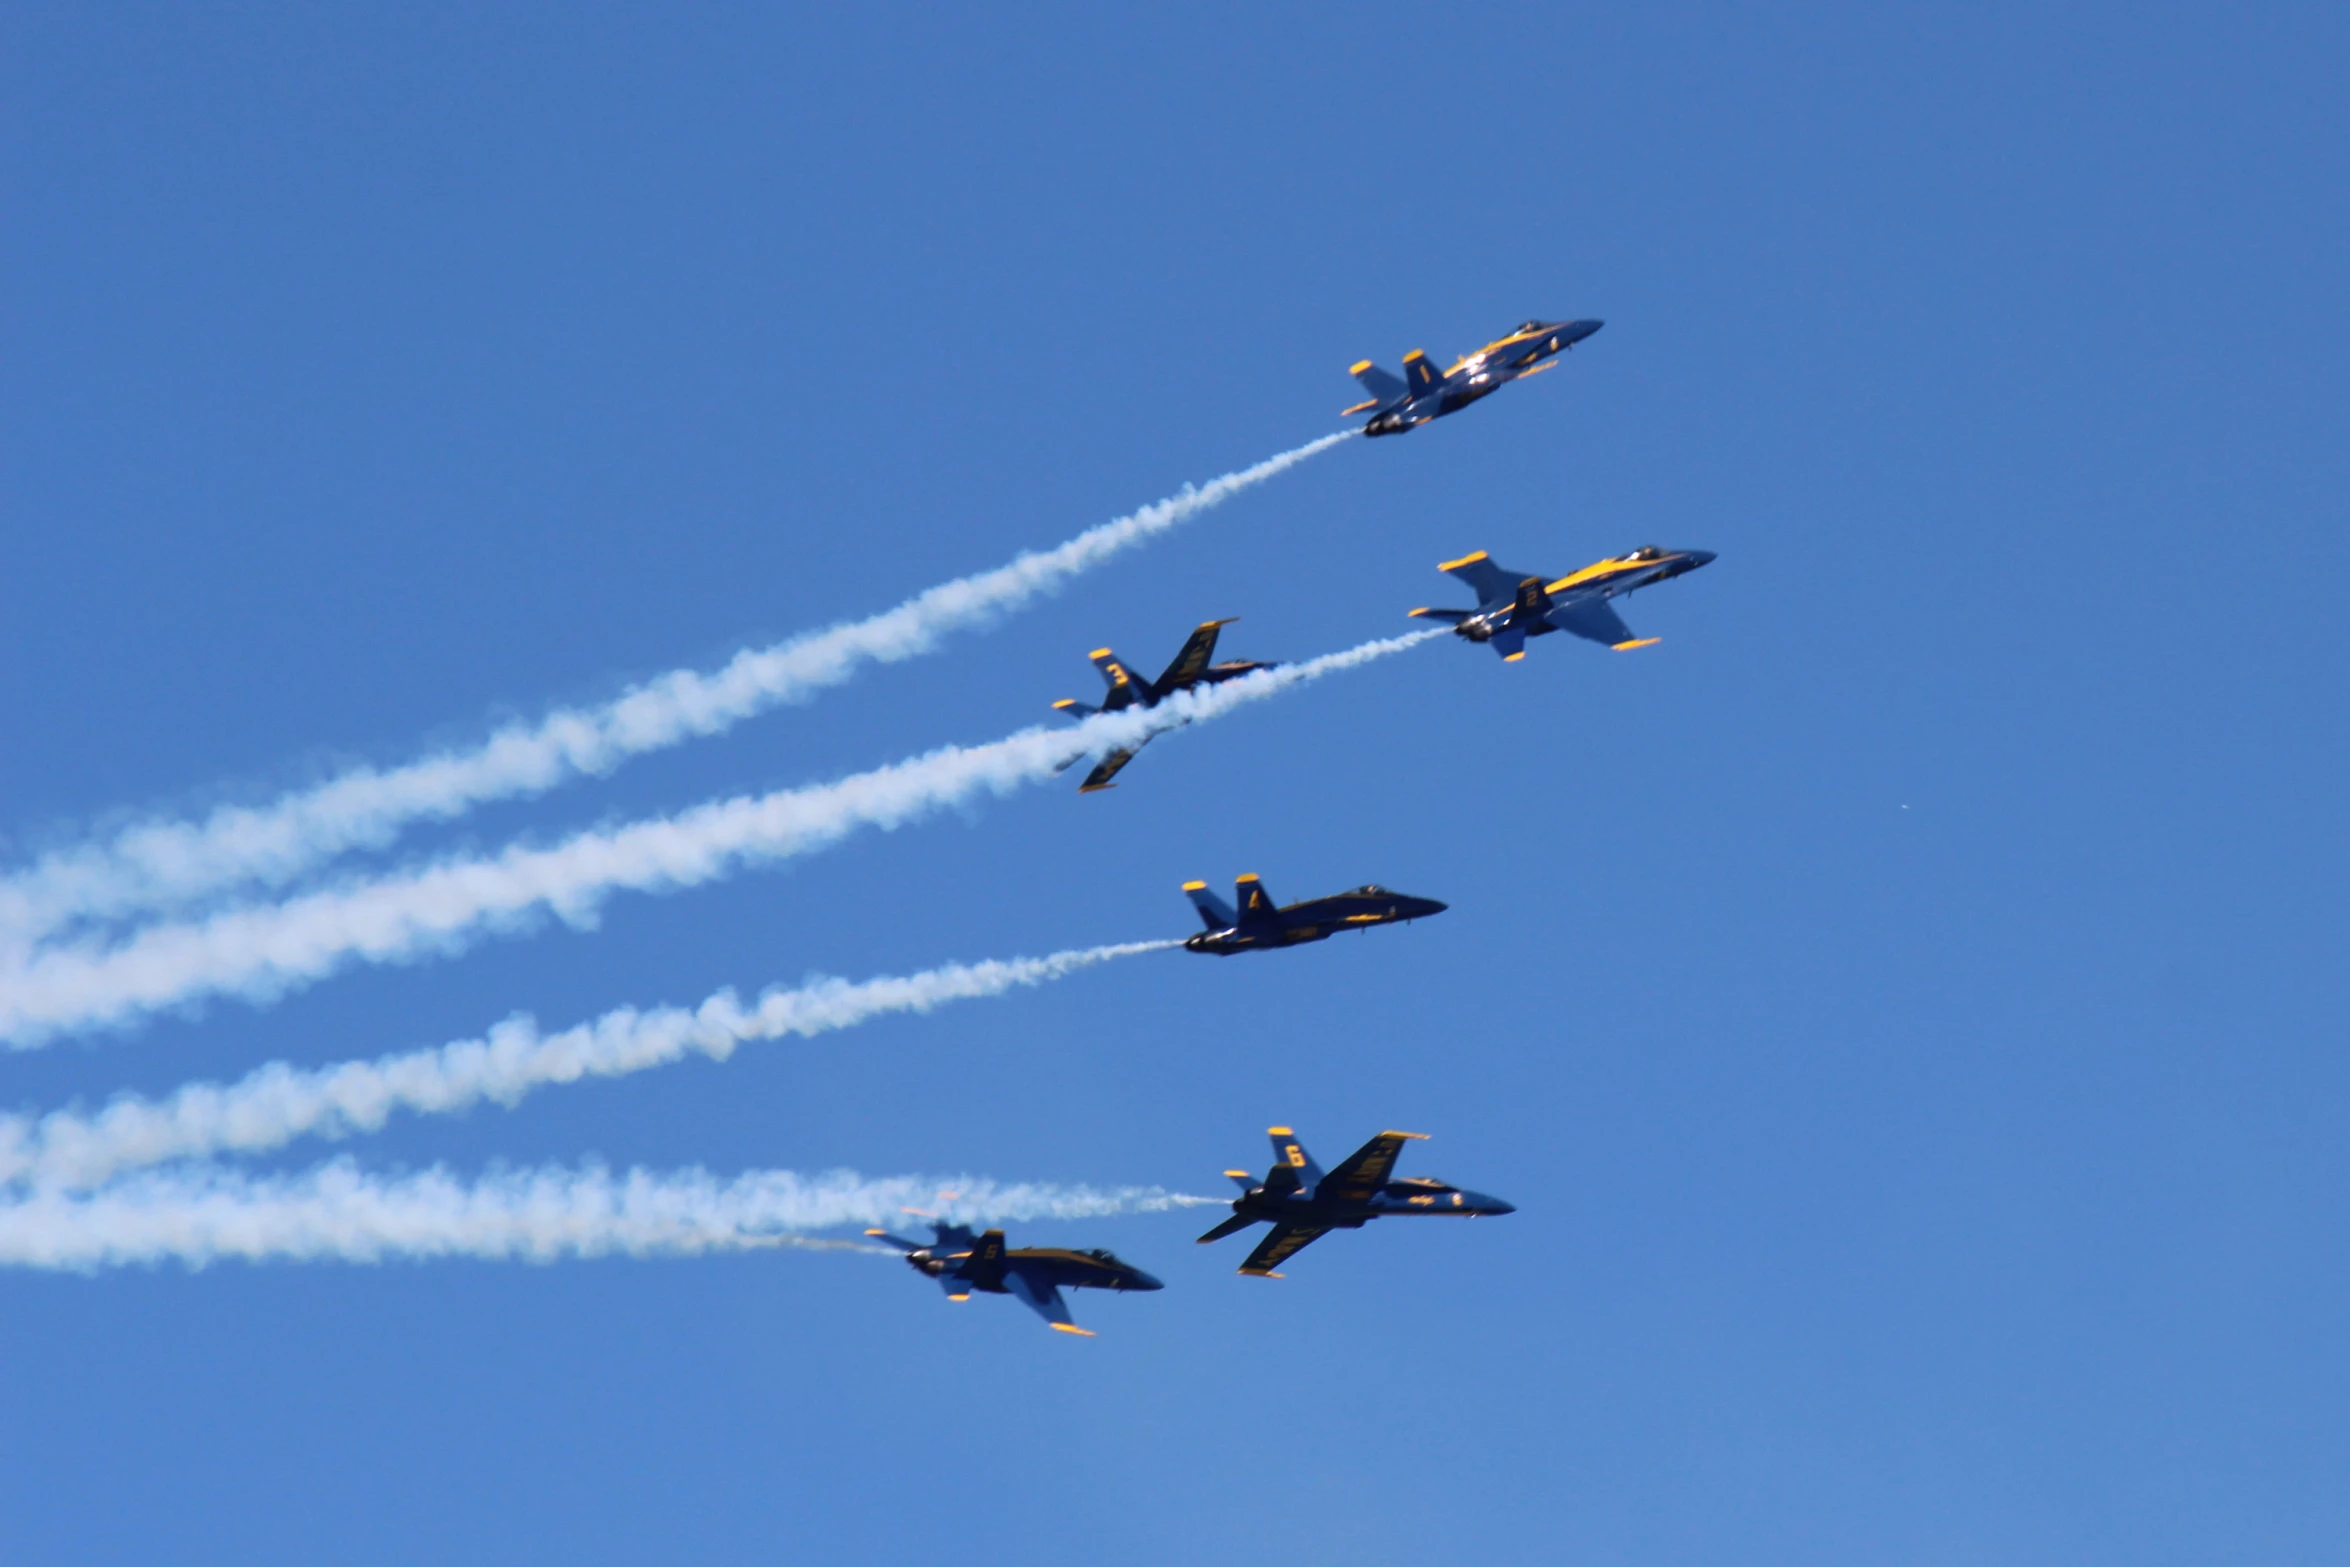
[1034,1275]
[1512,606]
[1127,689]
[1396,406]
[1259,926]
[1303,1204]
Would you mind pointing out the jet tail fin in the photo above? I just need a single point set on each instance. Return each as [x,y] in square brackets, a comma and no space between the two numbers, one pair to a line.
[987,1259]
[1254,903]
[1489,582]
[1419,374]
[1383,386]
[1214,912]
[1290,1154]
[1125,690]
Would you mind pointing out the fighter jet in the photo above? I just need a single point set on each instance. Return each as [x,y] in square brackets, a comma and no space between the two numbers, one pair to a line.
[1512,606]
[1396,406]
[1191,668]
[1303,1204]
[963,1262]
[1260,926]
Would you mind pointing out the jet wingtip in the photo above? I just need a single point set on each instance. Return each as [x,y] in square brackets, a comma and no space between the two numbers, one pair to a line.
[1626,647]
[1071,1327]
[1465,560]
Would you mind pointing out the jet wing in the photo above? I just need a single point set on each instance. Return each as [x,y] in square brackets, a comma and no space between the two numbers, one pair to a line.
[1043,1299]
[1286,1241]
[1365,1170]
[1594,620]
[1105,770]
[1193,661]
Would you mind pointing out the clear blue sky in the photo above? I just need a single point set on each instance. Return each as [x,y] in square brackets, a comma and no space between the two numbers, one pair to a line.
[1906,1005]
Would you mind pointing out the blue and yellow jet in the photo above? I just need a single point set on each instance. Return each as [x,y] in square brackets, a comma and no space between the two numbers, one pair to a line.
[1512,606]
[1396,406]
[1127,689]
[1303,1204]
[1258,926]
[1034,1275]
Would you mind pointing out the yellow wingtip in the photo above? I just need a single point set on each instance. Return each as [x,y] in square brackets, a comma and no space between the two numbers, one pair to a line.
[959,1298]
[1511,658]
[1071,1327]
[1626,647]
[1236,1172]
[1465,560]
[1422,1136]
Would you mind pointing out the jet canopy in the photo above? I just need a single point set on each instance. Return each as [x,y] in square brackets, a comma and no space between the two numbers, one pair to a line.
[1646,552]
[1528,326]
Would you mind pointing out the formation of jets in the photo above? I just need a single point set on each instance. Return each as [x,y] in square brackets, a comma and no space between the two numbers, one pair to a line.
[1297,1197]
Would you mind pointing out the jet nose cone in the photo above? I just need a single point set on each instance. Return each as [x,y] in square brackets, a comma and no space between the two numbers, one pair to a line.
[1426,906]
[1699,558]
[1579,330]
[1136,1279]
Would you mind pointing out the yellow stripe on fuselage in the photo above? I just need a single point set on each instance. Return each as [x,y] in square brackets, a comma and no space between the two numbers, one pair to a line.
[1597,571]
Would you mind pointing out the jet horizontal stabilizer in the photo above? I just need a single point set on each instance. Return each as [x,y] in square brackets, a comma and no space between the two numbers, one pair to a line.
[1231,1226]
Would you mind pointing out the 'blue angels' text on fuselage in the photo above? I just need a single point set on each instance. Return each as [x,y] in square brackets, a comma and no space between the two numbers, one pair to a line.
[1303,1204]
[1034,1275]
[1128,689]
[1421,395]
[1256,925]
[1512,605]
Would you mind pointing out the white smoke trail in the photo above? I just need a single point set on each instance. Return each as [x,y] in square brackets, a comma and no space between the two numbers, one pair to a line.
[277,1103]
[201,1214]
[257,953]
[157,865]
